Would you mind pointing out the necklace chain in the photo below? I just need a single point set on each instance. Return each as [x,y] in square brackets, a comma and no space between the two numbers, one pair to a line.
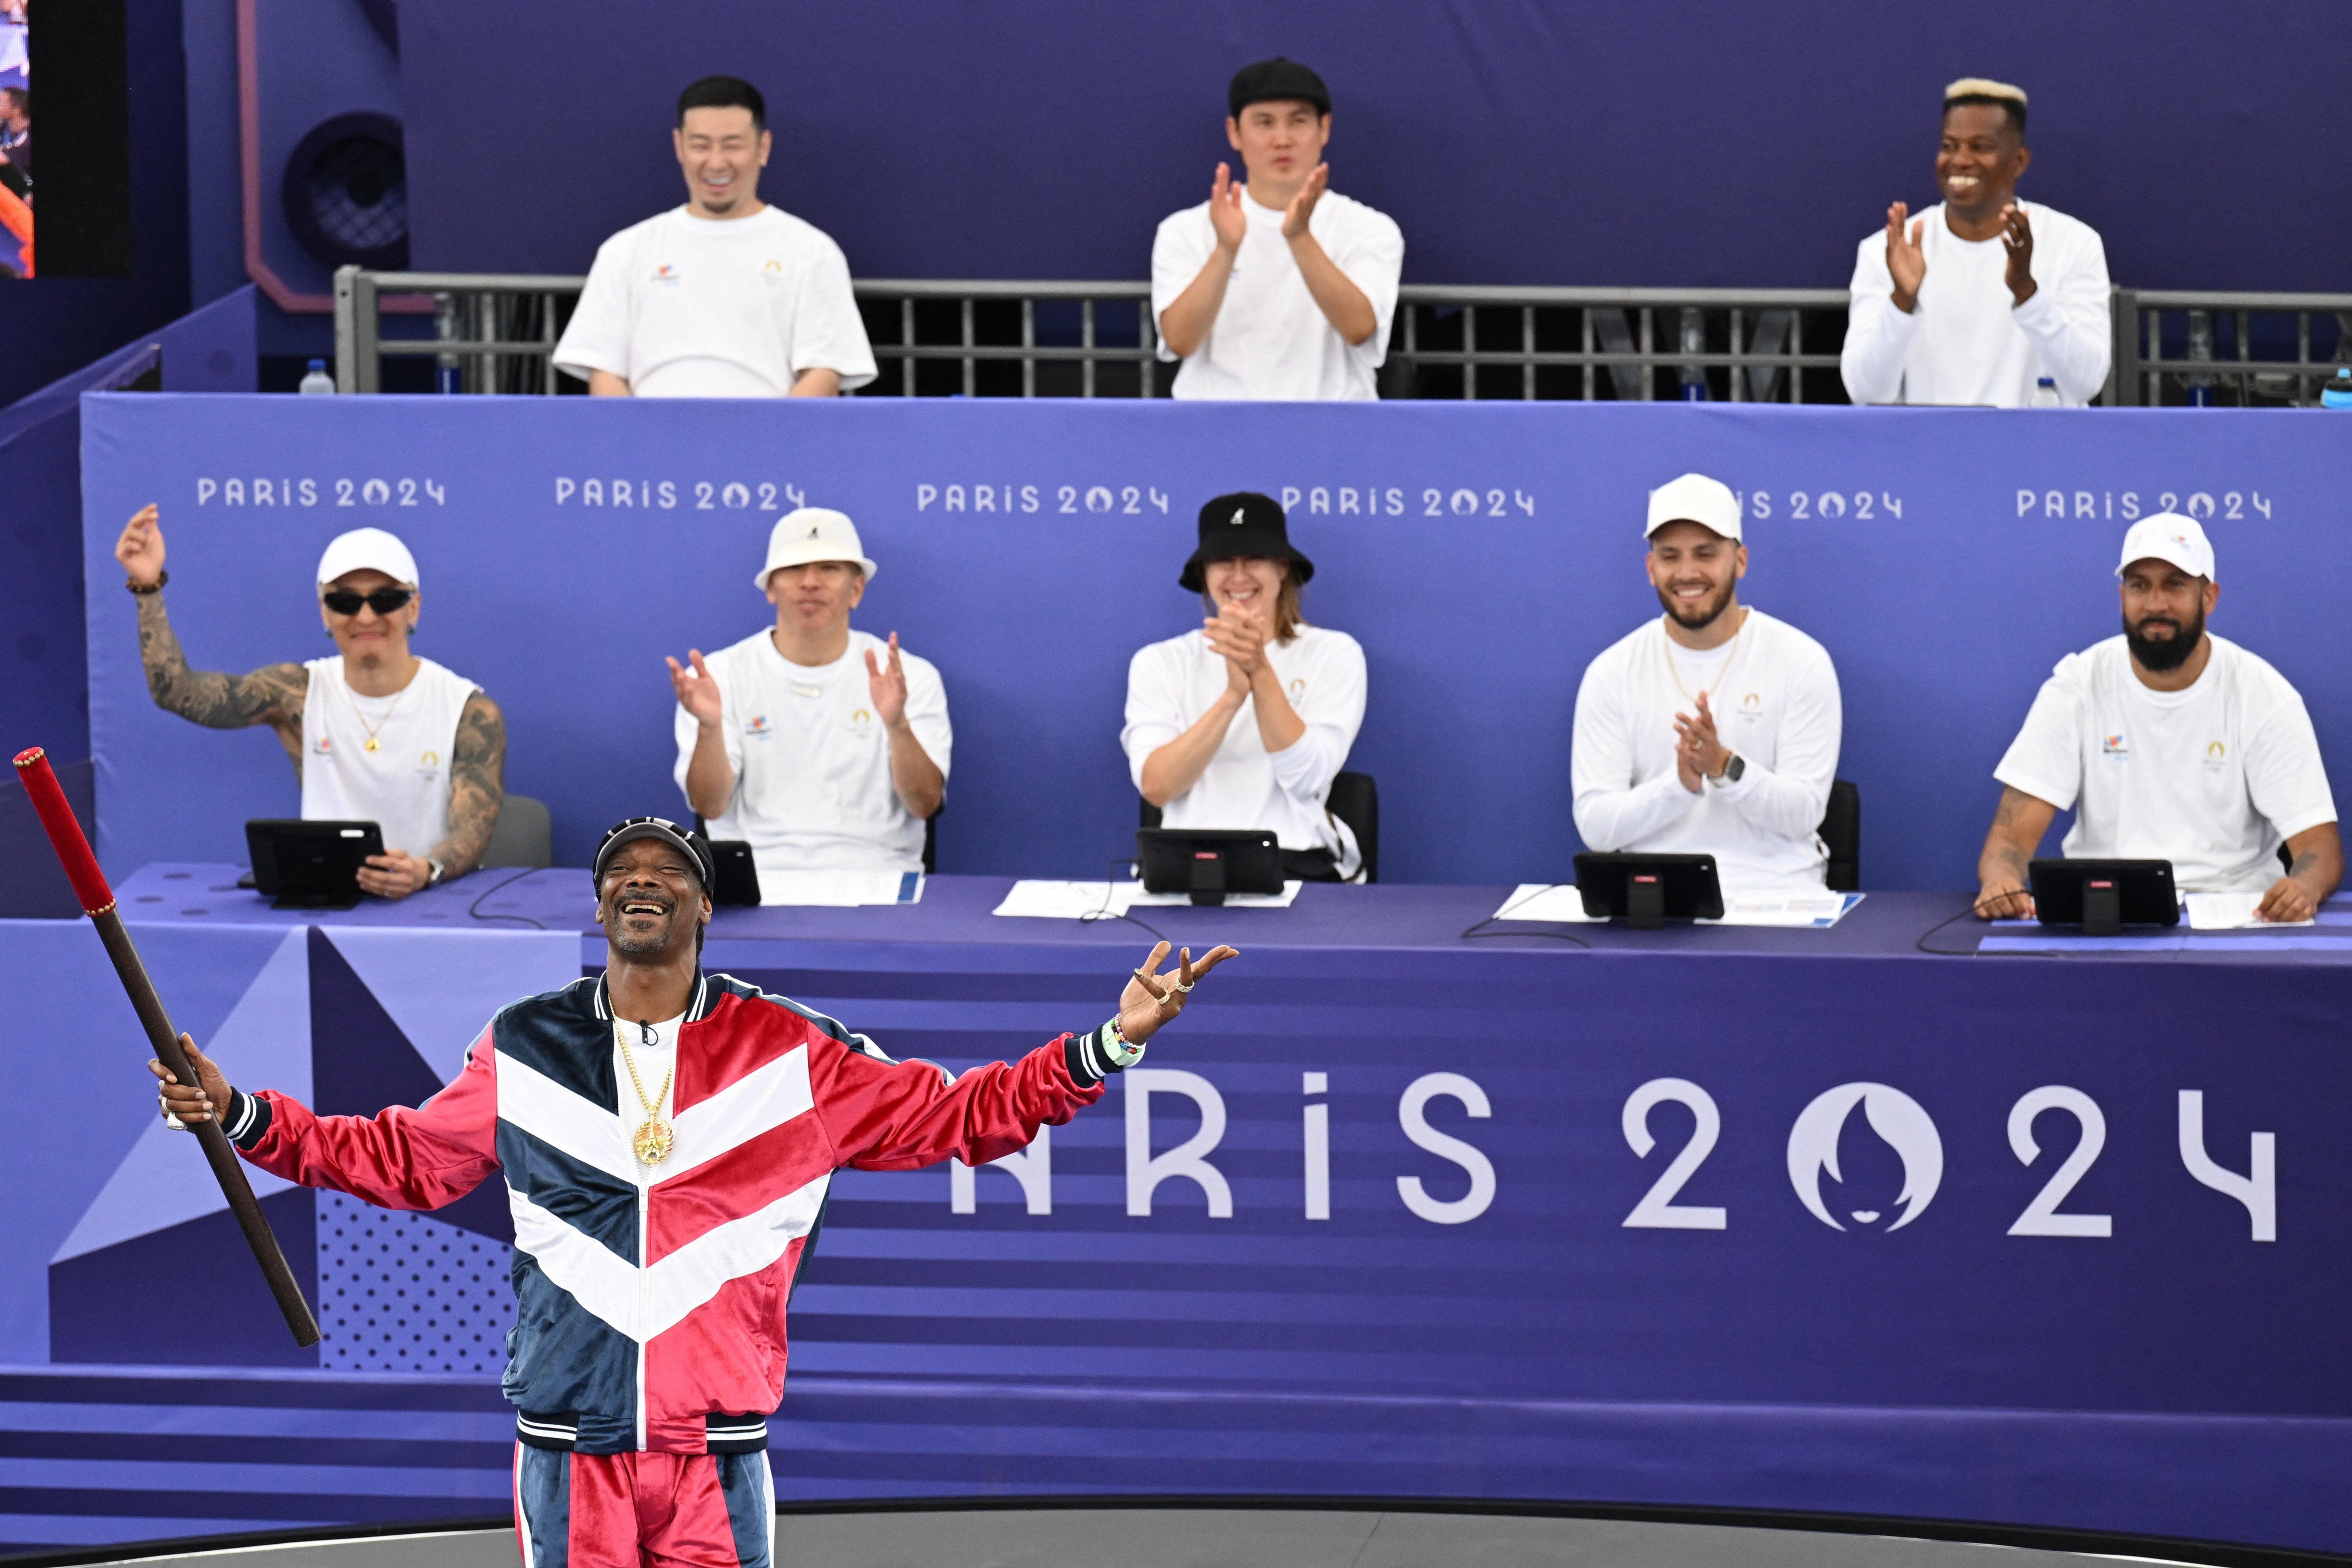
[361,714]
[1709,689]
[652,1138]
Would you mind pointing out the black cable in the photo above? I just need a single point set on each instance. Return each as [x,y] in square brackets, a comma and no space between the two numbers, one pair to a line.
[1472,933]
[474,911]
[1110,880]
[1921,944]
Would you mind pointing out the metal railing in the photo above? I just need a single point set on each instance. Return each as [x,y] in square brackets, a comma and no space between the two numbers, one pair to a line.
[1529,343]
[495,332]
[2181,347]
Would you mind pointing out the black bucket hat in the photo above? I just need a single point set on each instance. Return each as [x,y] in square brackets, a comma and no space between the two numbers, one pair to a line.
[685,840]
[1243,523]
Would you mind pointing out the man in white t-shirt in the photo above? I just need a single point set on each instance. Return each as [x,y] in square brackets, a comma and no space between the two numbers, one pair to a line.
[377,734]
[1246,722]
[1714,730]
[1277,289]
[821,747]
[2175,744]
[1982,295]
[726,296]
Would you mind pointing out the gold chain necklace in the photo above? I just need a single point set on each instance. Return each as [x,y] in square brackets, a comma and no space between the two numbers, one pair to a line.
[357,712]
[1676,671]
[653,1139]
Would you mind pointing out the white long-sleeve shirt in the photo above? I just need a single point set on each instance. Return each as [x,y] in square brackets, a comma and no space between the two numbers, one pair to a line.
[1774,694]
[1965,341]
[1169,685]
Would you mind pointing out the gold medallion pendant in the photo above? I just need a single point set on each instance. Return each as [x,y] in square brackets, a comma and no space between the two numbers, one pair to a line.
[653,1140]
[371,744]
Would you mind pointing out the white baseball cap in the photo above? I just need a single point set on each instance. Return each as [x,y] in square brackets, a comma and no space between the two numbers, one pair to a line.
[813,533]
[1697,499]
[2168,536]
[368,550]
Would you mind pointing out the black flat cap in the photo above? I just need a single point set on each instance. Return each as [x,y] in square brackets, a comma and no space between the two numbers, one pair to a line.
[685,840]
[1277,79]
[1244,523]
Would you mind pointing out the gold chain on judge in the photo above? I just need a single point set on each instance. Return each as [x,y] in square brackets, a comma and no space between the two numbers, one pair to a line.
[653,1139]
[351,698]
[1709,690]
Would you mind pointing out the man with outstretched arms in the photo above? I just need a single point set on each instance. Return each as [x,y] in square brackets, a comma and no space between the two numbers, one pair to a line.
[2172,744]
[726,296]
[1714,730]
[1276,286]
[666,1136]
[377,733]
[820,746]
[1981,296]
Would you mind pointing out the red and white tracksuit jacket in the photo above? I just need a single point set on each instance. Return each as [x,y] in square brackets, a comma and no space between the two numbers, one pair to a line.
[651,1298]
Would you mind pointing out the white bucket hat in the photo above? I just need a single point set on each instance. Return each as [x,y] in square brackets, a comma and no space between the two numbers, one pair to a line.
[368,550]
[2168,536]
[813,533]
[1694,498]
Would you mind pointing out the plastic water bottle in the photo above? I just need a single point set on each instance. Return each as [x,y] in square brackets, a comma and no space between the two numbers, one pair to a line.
[316,382]
[2337,390]
[2045,394]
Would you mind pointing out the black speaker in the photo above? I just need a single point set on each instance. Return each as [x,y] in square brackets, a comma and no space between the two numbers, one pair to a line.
[346,193]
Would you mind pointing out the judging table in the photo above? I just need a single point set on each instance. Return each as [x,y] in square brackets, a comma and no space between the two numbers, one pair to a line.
[1750,1217]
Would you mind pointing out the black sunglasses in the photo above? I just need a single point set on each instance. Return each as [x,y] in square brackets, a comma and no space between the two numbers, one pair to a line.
[383,600]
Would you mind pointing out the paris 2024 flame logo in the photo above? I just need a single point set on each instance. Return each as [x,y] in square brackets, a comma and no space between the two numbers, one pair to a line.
[1895,1117]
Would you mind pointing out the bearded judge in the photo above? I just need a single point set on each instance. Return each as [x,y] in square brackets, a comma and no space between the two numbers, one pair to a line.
[2175,745]
[1713,730]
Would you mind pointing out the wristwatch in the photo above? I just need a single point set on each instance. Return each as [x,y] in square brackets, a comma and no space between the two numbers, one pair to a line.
[1732,770]
[434,871]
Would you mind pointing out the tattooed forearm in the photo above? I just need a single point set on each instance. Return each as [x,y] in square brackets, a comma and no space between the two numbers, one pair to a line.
[2303,863]
[273,693]
[477,786]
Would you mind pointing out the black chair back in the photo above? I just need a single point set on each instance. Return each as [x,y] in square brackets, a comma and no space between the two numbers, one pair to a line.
[1355,800]
[1841,831]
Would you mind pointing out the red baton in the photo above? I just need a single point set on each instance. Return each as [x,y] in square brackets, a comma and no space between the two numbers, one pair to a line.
[98,903]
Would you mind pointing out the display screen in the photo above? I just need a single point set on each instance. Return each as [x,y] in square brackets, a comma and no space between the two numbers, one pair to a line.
[15,140]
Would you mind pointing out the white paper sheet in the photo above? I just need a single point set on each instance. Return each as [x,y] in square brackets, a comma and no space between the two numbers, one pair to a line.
[1560,903]
[1068,901]
[839,889]
[1280,901]
[1547,901]
[2228,911]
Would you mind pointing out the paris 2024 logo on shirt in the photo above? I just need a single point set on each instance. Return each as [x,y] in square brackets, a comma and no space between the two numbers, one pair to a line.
[1895,1117]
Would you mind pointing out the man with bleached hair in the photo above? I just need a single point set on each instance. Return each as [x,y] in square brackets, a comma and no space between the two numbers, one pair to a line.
[1982,299]
[1713,730]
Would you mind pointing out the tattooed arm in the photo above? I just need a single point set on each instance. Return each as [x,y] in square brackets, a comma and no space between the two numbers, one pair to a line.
[477,786]
[2018,825]
[271,695]
[2317,866]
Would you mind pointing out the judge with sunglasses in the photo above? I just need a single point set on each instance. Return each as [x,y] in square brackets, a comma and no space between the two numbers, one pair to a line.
[376,733]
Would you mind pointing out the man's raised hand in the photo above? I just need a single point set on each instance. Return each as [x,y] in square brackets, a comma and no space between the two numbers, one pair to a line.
[191,1103]
[140,548]
[1148,1003]
[1302,205]
[1906,260]
[1226,214]
[2017,238]
[888,686]
[697,688]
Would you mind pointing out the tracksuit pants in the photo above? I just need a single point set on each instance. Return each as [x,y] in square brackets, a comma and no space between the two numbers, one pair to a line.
[643,1511]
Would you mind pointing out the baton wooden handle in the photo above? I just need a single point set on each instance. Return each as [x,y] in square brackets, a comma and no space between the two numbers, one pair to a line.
[98,902]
